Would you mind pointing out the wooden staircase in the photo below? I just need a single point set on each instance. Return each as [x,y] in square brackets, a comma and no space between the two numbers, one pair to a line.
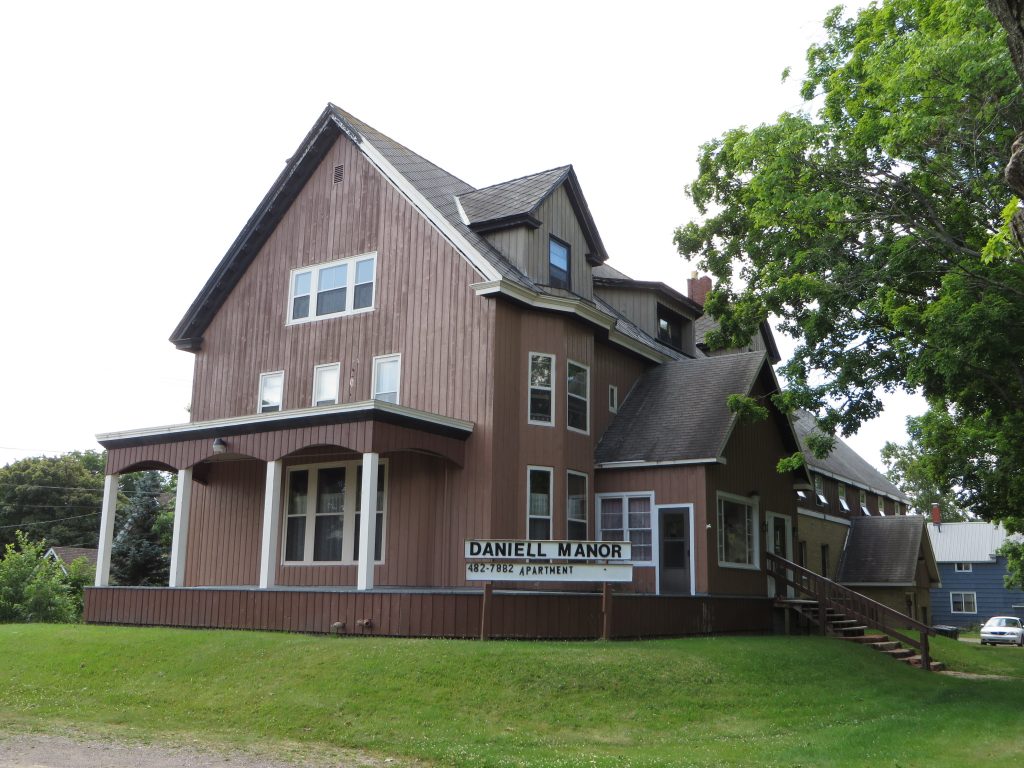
[842,613]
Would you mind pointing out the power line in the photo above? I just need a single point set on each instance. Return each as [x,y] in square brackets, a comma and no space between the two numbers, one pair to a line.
[47,522]
[79,488]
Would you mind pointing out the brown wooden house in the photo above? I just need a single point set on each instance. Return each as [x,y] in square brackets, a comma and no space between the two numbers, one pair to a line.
[381,335]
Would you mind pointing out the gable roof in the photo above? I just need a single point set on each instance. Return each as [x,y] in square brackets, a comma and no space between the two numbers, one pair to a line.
[844,463]
[677,411]
[967,542]
[706,323]
[429,188]
[884,551]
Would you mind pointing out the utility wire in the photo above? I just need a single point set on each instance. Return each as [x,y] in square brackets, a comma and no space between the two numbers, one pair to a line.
[79,488]
[47,522]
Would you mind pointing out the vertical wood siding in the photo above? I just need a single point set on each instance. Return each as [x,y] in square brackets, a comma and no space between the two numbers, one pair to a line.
[528,248]
[397,614]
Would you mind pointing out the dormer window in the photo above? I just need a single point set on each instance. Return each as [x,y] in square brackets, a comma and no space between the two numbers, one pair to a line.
[842,498]
[331,290]
[271,392]
[670,328]
[558,264]
[819,491]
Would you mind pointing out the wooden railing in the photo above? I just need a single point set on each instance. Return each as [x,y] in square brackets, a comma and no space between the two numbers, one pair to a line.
[852,604]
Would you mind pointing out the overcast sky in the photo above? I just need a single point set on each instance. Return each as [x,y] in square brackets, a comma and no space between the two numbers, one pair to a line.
[138,138]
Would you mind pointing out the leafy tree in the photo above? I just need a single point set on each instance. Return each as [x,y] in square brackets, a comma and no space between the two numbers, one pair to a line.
[920,474]
[864,227]
[33,588]
[56,497]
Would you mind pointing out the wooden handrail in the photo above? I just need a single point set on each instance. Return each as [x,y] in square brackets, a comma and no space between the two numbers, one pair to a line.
[829,594]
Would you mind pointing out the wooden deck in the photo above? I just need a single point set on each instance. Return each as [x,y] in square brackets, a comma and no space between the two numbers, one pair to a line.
[512,615]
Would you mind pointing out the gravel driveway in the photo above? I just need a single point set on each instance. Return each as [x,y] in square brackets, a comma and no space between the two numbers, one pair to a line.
[48,751]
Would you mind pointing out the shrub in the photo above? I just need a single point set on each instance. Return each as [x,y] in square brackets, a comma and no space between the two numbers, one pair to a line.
[33,588]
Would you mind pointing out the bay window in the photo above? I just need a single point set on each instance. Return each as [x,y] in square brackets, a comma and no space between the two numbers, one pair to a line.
[576,506]
[577,397]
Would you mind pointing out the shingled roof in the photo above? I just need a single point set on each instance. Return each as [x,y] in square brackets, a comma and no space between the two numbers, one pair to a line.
[514,201]
[677,411]
[844,463]
[884,551]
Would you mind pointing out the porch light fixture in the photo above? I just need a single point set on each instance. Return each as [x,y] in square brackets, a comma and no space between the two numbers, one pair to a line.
[220,445]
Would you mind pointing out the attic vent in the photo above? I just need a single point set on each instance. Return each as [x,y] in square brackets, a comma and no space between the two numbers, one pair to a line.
[339,174]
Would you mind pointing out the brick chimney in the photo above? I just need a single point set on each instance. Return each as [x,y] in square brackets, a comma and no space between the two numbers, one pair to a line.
[936,514]
[698,288]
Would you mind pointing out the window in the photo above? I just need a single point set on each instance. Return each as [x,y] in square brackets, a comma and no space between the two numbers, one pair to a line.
[819,491]
[801,554]
[881,505]
[330,290]
[897,508]
[842,498]
[963,602]
[627,518]
[325,384]
[576,506]
[963,567]
[387,371]
[323,513]
[864,503]
[578,397]
[542,378]
[670,328]
[271,392]
[825,562]
[801,495]
[539,491]
[558,264]
[613,398]
[737,532]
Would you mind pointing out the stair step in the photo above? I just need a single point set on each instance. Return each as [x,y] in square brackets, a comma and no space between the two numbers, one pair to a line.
[886,645]
[915,661]
[854,631]
[844,622]
[867,639]
[899,653]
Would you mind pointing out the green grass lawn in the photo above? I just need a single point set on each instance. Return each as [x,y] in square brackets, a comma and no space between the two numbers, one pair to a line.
[799,701]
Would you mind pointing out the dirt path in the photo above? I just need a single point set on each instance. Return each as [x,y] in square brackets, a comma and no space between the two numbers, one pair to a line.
[50,751]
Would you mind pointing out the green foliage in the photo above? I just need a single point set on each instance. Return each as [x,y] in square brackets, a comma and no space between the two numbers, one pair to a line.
[921,474]
[866,229]
[1013,551]
[58,498]
[746,408]
[140,555]
[791,463]
[33,588]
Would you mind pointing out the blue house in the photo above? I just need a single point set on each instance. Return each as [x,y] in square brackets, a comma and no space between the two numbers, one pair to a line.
[972,574]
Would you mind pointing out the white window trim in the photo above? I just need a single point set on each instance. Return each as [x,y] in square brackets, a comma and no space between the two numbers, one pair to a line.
[613,398]
[625,496]
[350,289]
[326,367]
[373,384]
[568,395]
[550,517]
[259,394]
[974,598]
[529,388]
[348,518]
[586,503]
[963,567]
[753,504]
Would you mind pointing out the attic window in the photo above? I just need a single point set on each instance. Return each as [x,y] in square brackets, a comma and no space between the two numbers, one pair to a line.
[339,174]
[559,264]
[670,328]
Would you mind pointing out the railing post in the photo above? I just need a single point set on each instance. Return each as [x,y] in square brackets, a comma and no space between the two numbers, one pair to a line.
[926,659]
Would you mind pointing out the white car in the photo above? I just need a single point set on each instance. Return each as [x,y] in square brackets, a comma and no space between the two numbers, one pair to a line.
[1002,629]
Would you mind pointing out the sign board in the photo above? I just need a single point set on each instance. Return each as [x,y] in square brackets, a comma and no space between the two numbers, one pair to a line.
[548,572]
[519,549]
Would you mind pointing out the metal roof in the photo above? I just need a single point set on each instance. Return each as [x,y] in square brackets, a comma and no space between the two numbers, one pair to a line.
[967,542]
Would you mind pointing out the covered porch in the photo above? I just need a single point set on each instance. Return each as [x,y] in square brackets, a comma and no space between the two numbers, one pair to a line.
[249,510]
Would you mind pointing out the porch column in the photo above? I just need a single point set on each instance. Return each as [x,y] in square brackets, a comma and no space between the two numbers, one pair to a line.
[271,524]
[368,520]
[179,544]
[106,530]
